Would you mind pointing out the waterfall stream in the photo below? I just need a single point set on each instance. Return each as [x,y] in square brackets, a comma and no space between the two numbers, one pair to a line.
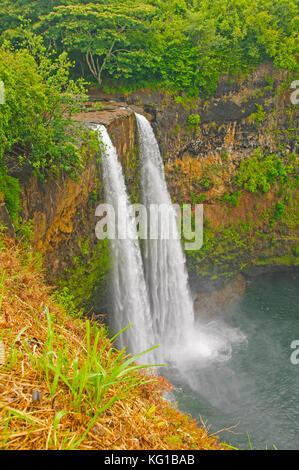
[153,294]
[164,262]
[130,295]
[208,360]
[150,290]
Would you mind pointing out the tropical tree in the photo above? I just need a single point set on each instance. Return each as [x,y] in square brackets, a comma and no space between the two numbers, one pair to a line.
[36,129]
[110,36]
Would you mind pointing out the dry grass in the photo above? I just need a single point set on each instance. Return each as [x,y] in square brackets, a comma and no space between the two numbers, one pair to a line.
[122,418]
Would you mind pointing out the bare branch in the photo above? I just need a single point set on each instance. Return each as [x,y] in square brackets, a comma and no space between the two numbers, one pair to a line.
[95,67]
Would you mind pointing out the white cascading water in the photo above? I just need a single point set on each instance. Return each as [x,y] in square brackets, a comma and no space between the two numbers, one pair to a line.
[153,293]
[130,296]
[164,261]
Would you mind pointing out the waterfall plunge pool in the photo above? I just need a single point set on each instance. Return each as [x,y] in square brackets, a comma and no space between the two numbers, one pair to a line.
[239,373]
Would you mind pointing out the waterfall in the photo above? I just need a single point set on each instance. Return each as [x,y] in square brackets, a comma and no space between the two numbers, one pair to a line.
[130,296]
[151,292]
[164,261]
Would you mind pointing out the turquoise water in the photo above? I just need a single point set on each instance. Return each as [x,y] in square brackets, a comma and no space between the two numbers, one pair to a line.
[252,386]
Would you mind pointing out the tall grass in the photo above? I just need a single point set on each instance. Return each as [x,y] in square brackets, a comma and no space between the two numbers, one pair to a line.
[91,376]
[95,377]
[91,396]
[2,349]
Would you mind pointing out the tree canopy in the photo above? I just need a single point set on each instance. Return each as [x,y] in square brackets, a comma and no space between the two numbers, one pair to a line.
[110,37]
[48,49]
[35,119]
[175,44]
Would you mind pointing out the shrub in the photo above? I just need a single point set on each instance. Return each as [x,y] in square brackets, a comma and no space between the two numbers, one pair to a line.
[232,198]
[193,121]
[259,173]
[10,188]
[36,130]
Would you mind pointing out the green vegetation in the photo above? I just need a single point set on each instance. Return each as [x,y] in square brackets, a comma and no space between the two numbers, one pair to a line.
[35,124]
[193,121]
[179,45]
[49,52]
[259,116]
[86,274]
[37,134]
[108,35]
[285,260]
[257,241]
[10,189]
[197,198]
[223,254]
[232,198]
[260,172]
[89,381]
[48,49]
[85,387]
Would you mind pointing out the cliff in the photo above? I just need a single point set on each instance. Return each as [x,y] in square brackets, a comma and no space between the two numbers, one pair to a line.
[227,152]
[208,146]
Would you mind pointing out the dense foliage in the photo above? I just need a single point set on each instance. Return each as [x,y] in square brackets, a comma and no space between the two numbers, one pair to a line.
[177,44]
[35,118]
[260,172]
[36,130]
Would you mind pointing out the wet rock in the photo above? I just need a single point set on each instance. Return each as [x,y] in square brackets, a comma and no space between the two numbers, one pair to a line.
[6,221]
[212,303]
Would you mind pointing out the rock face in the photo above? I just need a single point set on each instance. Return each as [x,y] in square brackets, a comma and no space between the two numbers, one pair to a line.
[209,303]
[5,220]
[238,118]
[203,143]
[120,122]
[62,212]
[58,209]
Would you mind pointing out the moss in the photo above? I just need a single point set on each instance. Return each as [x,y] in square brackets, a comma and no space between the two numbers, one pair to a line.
[198,198]
[290,216]
[270,82]
[223,254]
[87,273]
[226,252]
[84,246]
[232,198]
[10,193]
[285,260]
[176,130]
[224,156]
[260,172]
[185,101]
[193,122]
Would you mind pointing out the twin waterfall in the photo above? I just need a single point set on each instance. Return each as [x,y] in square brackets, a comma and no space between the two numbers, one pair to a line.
[130,295]
[150,290]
